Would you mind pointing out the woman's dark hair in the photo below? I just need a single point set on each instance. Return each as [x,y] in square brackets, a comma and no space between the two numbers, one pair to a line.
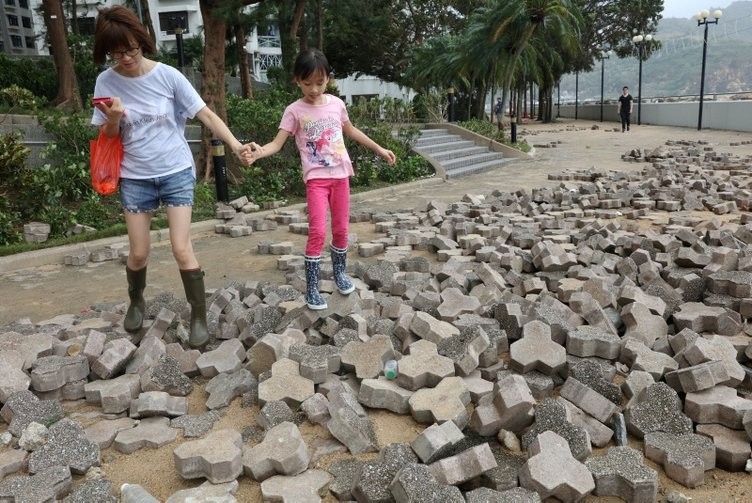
[117,28]
[310,62]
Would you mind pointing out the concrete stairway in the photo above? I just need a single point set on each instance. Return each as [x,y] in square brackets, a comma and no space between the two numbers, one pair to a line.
[452,156]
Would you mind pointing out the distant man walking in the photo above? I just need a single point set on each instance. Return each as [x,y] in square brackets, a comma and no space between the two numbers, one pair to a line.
[625,108]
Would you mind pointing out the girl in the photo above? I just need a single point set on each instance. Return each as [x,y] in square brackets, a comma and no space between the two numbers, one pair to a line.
[318,122]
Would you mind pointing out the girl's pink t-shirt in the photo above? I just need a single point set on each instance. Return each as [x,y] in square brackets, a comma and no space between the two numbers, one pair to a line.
[318,134]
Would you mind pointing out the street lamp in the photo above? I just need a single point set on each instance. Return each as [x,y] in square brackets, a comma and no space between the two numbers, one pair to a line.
[702,19]
[604,56]
[640,41]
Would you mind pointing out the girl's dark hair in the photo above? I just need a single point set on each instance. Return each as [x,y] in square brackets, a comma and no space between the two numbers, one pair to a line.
[117,27]
[310,62]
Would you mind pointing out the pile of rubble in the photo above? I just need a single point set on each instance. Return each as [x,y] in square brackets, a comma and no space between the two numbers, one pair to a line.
[529,328]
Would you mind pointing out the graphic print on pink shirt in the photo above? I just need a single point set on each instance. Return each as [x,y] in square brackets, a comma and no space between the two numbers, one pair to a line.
[323,140]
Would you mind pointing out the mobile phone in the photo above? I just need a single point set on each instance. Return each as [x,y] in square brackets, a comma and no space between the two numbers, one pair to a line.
[105,100]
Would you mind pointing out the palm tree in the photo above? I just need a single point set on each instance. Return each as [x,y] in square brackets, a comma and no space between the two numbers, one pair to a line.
[514,24]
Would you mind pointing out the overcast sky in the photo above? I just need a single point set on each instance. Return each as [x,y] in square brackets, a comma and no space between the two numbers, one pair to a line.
[688,8]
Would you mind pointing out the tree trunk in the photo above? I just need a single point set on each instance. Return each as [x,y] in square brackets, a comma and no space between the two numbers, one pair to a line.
[246,86]
[319,26]
[68,97]
[146,14]
[74,18]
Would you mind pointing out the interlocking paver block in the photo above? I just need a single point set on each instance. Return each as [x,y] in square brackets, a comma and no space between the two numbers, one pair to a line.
[50,484]
[599,433]
[464,466]
[446,402]
[272,347]
[23,408]
[588,400]
[642,324]
[274,413]
[372,482]
[436,440]
[308,487]
[732,447]
[196,425]
[158,403]
[283,451]
[657,408]
[31,346]
[146,355]
[552,471]
[423,367]
[700,317]
[12,461]
[747,422]
[114,358]
[367,358]
[217,456]
[515,495]
[167,375]
[586,306]
[719,348]
[591,374]
[719,405]
[454,303]
[228,357]
[431,329]
[52,372]
[551,415]
[383,393]
[685,458]
[103,432]
[640,357]
[511,406]
[698,377]
[344,472]
[14,379]
[587,341]
[113,395]
[286,384]
[415,482]
[623,474]
[465,349]
[316,362]
[349,422]
[219,493]
[151,432]
[226,386]
[66,445]
[536,351]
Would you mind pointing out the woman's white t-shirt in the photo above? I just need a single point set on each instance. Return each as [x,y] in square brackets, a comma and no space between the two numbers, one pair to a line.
[157,106]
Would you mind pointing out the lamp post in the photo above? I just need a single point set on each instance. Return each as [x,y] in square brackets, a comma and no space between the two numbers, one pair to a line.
[179,42]
[576,92]
[702,19]
[604,56]
[640,41]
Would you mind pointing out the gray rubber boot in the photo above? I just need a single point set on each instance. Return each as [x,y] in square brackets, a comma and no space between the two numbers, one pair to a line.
[193,283]
[134,317]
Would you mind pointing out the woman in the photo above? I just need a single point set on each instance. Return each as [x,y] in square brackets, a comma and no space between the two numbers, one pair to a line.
[150,103]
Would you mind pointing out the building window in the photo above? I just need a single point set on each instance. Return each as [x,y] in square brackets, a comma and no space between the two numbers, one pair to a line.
[86,25]
[12,20]
[24,4]
[10,2]
[29,42]
[16,41]
[168,21]
[26,21]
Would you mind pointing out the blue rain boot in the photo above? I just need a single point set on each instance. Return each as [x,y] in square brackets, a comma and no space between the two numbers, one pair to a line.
[313,297]
[339,264]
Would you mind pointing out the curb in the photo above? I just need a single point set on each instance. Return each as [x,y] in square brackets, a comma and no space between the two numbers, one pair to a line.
[56,255]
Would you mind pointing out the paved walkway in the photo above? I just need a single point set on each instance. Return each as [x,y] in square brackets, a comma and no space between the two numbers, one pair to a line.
[36,284]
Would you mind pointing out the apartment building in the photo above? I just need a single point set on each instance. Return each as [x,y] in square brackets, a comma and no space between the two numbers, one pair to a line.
[17,33]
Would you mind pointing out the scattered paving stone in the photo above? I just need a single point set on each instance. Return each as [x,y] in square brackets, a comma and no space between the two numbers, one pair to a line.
[66,445]
[224,387]
[344,472]
[375,476]
[685,457]
[283,451]
[445,402]
[196,425]
[719,405]
[286,384]
[415,482]
[516,495]
[732,447]
[49,484]
[216,457]
[552,416]
[622,473]
[464,466]
[167,376]
[99,490]
[658,408]
[151,432]
[423,367]
[308,487]
[219,493]
[23,408]
[436,440]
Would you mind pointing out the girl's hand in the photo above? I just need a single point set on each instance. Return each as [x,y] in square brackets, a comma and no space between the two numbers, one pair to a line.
[388,155]
[255,151]
[245,154]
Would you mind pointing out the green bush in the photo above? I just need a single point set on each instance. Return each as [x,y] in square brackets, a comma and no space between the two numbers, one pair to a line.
[38,75]
[17,98]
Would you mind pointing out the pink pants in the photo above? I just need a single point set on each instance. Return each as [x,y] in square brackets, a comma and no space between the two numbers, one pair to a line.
[320,193]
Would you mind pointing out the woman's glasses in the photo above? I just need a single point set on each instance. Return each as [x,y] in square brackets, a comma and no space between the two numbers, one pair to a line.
[121,54]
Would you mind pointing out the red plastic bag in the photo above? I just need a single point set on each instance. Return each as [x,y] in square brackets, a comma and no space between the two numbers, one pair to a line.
[106,154]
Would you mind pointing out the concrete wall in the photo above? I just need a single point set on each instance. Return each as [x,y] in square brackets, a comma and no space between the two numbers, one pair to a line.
[725,115]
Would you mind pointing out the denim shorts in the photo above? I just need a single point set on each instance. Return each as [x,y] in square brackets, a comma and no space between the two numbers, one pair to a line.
[145,195]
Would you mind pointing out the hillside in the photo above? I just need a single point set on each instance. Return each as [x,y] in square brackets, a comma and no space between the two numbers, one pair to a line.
[675,69]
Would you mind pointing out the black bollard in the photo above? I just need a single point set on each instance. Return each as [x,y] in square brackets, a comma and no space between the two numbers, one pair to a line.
[179,44]
[513,126]
[220,170]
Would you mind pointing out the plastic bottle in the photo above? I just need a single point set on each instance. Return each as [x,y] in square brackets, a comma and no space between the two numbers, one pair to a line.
[134,493]
[390,369]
